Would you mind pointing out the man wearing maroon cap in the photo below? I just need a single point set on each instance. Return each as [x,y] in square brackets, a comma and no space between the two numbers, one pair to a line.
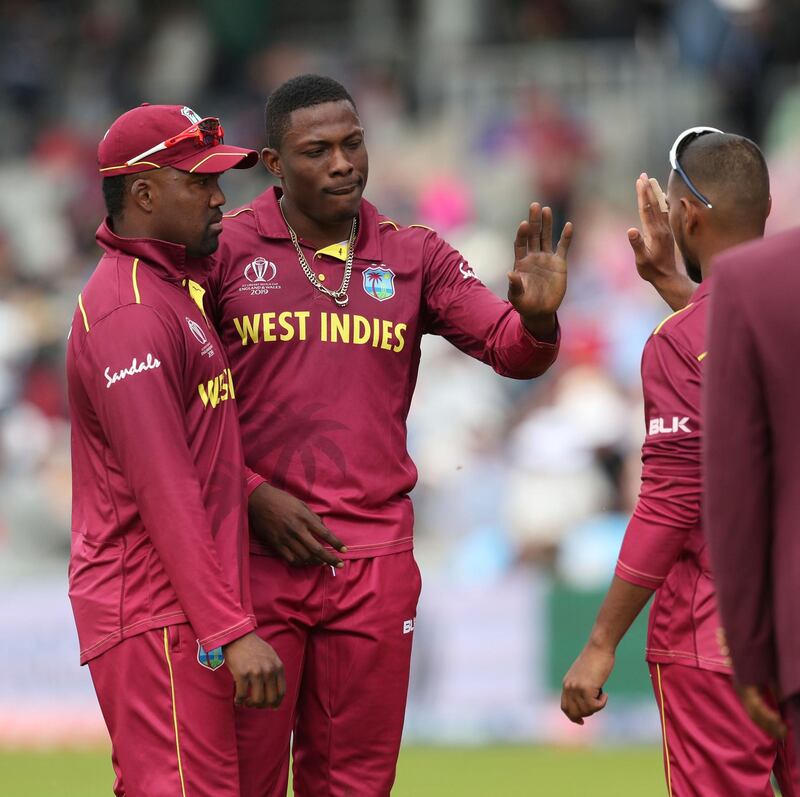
[322,302]
[158,566]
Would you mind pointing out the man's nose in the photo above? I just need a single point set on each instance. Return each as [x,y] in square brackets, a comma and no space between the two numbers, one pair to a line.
[340,163]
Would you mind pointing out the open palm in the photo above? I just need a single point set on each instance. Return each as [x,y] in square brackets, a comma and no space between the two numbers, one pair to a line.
[538,282]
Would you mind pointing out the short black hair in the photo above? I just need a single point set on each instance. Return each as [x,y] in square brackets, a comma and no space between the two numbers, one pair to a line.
[114,189]
[302,91]
[734,172]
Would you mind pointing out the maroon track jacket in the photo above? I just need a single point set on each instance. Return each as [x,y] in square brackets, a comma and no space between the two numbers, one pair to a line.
[159,509]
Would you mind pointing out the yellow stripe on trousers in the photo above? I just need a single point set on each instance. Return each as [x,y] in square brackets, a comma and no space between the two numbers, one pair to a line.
[664,731]
[174,712]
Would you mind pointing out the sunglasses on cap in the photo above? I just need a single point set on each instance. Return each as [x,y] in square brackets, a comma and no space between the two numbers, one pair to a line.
[205,133]
[681,142]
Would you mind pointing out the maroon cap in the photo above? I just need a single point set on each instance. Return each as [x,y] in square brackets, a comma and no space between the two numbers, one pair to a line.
[144,128]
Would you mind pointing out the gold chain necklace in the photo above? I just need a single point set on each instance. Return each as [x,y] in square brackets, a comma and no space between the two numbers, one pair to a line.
[340,297]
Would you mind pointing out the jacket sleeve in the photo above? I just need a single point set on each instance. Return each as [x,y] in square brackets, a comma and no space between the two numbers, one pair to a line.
[462,309]
[668,508]
[738,485]
[132,366]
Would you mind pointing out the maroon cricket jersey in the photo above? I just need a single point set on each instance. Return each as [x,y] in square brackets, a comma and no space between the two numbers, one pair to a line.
[323,391]
[664,546]
[158,508]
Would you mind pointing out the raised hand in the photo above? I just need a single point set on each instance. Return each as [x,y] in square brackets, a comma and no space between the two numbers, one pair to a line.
[287,526]
[538,282]
[654,247]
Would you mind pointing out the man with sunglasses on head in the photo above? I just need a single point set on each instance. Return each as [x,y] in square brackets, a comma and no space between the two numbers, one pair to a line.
[159,566]
[718,197]
[321,302]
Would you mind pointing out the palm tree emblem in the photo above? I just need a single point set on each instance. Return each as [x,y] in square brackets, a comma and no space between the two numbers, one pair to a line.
[295,433]
[379,283]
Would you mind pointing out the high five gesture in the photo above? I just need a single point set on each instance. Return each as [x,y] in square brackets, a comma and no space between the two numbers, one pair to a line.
[538,282]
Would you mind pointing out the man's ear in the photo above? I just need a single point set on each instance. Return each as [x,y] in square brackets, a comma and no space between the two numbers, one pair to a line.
[691,216]
[271,159]
[769,206]
[141,192]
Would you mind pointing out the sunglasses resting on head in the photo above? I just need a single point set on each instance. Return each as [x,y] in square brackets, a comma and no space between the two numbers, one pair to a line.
[680,144]
[207,132]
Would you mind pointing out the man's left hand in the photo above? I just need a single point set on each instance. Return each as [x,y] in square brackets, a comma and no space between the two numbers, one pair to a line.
[538,282]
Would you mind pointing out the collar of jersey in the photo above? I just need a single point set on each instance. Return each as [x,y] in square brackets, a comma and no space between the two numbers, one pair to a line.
[270,224]
[169,259]
[702,290]
[338,251]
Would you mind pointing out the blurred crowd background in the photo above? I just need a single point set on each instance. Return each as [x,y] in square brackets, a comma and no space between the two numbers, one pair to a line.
[473,109]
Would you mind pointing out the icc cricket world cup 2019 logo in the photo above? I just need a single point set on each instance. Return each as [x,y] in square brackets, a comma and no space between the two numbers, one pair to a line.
[260,270]
[260,274]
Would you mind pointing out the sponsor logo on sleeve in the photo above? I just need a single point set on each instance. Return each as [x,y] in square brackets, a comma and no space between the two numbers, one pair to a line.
[379,282]
[466,271]
[668,426]
[408,625]
[200,336]
[136,367]
[260,275]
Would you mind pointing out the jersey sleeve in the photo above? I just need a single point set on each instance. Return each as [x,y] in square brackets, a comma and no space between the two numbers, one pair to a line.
[252,480]
[131,367]
[462,309]
[668,507]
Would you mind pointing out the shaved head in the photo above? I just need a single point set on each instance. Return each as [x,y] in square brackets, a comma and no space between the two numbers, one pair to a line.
[731,171]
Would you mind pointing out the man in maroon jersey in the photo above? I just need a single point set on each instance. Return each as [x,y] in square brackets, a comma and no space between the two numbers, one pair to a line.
[718,196]
[158,568]
[321,303]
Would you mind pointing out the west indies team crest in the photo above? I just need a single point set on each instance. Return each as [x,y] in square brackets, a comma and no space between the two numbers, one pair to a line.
[210,659]
[379,283]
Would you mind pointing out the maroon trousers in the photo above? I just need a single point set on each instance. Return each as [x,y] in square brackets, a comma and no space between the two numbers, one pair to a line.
[345,641]
[171,720]
[711,746]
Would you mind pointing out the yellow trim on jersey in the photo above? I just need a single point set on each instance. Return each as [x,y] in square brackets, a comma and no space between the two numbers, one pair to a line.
[197,292]
[424,227]
[387,221]
[125,166]
[135,281]
[339,251]
[234,215]
[701,357]
[664,726]
[214,155]
[83,313]
[671,315]
[174,712]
